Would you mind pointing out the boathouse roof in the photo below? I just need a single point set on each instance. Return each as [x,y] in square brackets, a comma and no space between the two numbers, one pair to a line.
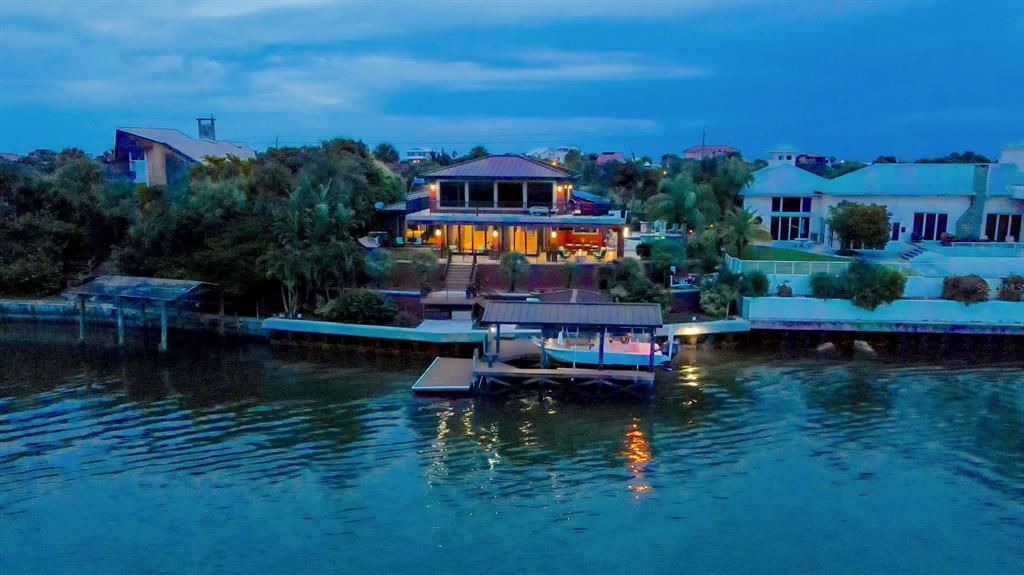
[139,288]
[573,314]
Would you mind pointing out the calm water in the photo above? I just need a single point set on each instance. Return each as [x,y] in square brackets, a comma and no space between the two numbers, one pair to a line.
[247,461]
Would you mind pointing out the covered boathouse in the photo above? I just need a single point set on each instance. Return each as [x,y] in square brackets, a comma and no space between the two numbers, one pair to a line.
[496,374]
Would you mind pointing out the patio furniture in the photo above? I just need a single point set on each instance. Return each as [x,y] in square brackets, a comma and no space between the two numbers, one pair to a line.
[540,211]
[562,253]
[599,253]
[399,241]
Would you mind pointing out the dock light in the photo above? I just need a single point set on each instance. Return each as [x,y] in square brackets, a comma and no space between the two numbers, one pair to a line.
[437,233]
[625,232]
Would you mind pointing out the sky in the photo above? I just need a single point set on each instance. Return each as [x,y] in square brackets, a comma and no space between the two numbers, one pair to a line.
[849,79]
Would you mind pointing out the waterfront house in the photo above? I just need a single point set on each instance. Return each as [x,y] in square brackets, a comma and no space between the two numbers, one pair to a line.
[512,202]
[607,157]
[701,152]
[417,155]
[556,155]
[164,156]
[975,201]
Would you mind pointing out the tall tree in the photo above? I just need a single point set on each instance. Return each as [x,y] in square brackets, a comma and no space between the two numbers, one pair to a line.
[860,225]
[741,228]
[386,153]
[676,203]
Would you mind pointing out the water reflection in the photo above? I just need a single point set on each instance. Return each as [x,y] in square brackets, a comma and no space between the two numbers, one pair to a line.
[637,452]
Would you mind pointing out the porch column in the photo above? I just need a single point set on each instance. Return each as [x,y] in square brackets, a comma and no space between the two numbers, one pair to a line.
[525,204]
[496,193]
[465,194]
[81,319]
[163,326]
[554,195]
[600,348]
[120,321]
[650,355]
[497,340]
[620,243]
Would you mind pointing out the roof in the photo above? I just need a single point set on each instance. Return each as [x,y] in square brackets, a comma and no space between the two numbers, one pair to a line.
[785,148]
[572,296]
[503,166]
[193,148]
[906,180]
[785,180]
[699,147]
[588,197]
[1004,179]
[573,314]
[129,287]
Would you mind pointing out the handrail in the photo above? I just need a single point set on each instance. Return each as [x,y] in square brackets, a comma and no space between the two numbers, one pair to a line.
[447,265]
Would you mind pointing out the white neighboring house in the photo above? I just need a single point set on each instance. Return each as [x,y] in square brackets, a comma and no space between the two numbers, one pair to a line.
[556,155]
[984,201]
[417,155]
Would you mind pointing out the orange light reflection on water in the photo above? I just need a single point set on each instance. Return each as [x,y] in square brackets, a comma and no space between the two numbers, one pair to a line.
[637,451]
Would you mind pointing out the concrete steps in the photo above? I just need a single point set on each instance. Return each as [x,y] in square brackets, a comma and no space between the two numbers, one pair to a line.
[908,256]
[457,277]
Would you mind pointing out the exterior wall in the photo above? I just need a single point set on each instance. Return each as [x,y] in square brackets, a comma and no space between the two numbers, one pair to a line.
[903,208]
[774,309]
[156,164]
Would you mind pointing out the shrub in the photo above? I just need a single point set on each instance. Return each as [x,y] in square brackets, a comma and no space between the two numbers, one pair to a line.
[643,250]
[871,285]
[965,289]
[514,265]
[715,303]
[704,247]
[1012,288]
[784,289]
[827,286]
[360,306]
[664,255]
[34,274]
[570,272]
[625,281]
[425,265]
[754,284]
[378,266]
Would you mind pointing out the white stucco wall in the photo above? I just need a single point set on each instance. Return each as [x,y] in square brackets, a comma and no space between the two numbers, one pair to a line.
[834,310]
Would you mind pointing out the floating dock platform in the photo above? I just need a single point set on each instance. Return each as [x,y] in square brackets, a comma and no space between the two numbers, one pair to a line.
[452,375]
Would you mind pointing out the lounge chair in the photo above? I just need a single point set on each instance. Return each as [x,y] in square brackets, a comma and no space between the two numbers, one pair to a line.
[599,253]
[563,253]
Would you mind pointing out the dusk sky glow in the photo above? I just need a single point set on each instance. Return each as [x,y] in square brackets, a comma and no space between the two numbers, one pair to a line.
[850,79]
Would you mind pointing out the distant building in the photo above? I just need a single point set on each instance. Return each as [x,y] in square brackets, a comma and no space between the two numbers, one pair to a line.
[164,156]
[810,161]
[708,151]
[976,201]
[552,154]
[605,157]
[417,155]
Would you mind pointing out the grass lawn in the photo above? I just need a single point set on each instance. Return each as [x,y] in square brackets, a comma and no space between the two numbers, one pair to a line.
[768,253]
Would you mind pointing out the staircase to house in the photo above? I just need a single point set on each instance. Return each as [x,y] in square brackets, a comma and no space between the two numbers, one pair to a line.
[908,256]
[458,276]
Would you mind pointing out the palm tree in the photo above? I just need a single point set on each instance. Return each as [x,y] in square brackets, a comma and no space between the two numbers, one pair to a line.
[676,202]
[514,265]
[742,227]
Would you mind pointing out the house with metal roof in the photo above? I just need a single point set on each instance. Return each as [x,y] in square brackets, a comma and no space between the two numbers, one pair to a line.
[512,202]
[703,151]
[926,201]
[164,156]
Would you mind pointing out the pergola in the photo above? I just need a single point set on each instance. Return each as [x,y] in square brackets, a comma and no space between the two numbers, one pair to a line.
[141,290]
[596,317]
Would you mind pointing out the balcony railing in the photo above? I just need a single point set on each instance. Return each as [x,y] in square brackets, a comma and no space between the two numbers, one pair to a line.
[545,209]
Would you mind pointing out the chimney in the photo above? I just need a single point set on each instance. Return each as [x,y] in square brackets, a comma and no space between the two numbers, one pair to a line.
[207,130]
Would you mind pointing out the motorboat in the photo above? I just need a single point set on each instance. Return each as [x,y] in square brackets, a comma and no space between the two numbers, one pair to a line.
[618,351]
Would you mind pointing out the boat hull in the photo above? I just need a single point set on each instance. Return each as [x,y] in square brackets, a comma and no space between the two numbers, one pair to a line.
[611,358]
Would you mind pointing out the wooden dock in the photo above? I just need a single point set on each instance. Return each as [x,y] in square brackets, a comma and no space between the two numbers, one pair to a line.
[446,375]
[458,375]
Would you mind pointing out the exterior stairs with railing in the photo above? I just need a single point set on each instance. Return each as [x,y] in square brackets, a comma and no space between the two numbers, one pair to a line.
[458,276]
[913,253]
